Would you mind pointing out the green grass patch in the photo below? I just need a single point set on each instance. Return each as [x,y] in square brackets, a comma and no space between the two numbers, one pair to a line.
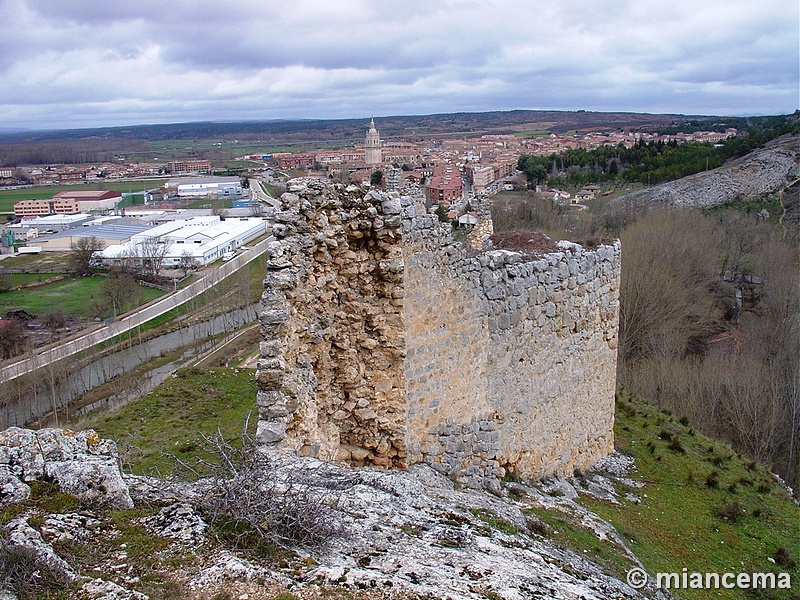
[170,419]
[17,279]
[38,192]
[494,521]
[75,297]
[212,203]
[565,532]
[46,262]
[703,507]
[528,133]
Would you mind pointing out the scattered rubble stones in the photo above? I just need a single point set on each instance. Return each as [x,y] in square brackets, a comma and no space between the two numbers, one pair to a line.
[70,527]
[179,521]
[98,589]
[229,567]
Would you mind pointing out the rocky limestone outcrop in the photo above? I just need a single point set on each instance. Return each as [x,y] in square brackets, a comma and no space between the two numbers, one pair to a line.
[761,172]
[406,533]
[82,464]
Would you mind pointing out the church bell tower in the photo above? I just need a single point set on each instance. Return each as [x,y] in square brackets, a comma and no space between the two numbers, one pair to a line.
[372,146]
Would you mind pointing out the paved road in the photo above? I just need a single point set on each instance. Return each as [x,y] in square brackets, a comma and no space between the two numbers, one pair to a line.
[261,195]
[132,321]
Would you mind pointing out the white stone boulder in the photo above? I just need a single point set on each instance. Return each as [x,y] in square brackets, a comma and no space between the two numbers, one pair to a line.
[82,464]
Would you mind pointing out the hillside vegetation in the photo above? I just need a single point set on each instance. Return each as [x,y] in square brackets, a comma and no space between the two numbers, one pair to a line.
[703,506]
[709,305]
[690,502]
[657,161]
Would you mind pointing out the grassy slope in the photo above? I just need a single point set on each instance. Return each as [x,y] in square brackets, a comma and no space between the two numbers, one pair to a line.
[171,419]
[74,297]
[687,517]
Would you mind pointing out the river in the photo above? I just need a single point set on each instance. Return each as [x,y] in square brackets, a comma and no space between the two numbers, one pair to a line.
[24,403]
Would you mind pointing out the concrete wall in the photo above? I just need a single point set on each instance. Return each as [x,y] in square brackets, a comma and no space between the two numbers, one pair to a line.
[387,343]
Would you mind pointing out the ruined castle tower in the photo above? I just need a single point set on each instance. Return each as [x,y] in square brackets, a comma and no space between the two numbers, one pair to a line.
[387,343]
[372,146]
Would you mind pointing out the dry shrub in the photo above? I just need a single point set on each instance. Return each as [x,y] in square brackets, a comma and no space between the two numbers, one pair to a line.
[254,502]
[25,574]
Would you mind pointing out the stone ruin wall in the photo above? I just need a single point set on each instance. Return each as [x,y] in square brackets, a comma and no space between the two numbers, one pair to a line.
[511,361]
[386,343]
[331,380]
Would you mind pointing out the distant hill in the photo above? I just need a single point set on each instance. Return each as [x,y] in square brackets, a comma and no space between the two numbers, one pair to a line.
[293,131]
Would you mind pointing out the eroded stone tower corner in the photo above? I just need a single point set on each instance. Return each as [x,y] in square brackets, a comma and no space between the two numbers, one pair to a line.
[386,343]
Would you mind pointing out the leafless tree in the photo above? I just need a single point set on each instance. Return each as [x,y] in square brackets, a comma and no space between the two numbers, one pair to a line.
[150,254]
[12,338]
[669,263]
[54,321]
[187,263]
[118,293]
[747,392]
[82,251]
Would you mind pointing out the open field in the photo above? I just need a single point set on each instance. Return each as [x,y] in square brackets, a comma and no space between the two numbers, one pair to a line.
[46,262]
[9,197]
[74,297]
[17,279]
[172,418]
[213,203]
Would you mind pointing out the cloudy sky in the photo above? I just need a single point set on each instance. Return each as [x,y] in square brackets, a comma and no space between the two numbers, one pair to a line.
[83,63]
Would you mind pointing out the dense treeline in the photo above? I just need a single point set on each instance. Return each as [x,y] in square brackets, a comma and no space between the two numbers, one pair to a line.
[709,327]
[720,124]
[650,162]
[66,152]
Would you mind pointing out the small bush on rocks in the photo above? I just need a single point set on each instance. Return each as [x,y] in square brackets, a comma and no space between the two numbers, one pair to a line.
[252,503]
[26,575]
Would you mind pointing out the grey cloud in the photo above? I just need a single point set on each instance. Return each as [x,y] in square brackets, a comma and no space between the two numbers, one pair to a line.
[148,61]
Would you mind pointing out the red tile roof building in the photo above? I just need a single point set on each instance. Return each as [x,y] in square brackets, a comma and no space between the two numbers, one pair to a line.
[445,186]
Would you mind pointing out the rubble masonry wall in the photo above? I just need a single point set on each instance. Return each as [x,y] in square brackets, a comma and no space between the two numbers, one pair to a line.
[386,343]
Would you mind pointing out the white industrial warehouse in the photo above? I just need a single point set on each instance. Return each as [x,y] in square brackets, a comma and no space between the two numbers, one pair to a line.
[219,187]
[204,239]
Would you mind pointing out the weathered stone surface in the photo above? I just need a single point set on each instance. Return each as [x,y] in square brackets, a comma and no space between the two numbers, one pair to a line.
[12,488]
[414,532]
[82,464]
[402,348]
[93,479]
[270,432]
[179,521]
[99,589]
[20,533]
[411,532]
[70,527]
[228,567]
